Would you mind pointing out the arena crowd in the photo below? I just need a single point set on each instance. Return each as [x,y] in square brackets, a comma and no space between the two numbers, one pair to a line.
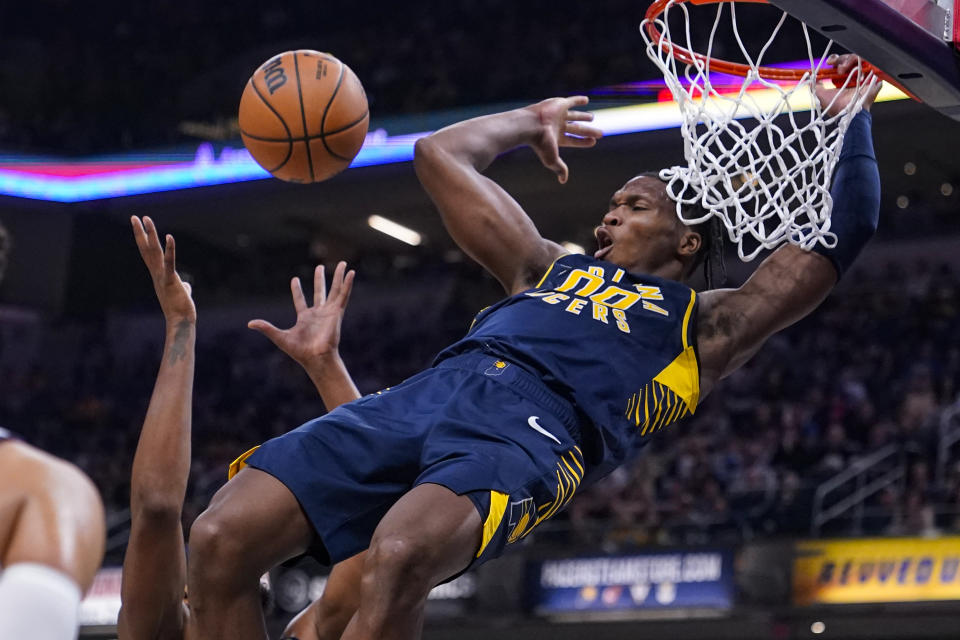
[148,72]
[875,366]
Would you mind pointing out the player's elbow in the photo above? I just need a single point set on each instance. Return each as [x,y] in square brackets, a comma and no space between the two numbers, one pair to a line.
[431,155]
[864,222]
[156,506]
[431,163]
[870,203]
[426,151]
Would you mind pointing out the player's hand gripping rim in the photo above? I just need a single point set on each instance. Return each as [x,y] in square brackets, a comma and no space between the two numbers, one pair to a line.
[562,127]
[173,293]
[316,334]
[835,100]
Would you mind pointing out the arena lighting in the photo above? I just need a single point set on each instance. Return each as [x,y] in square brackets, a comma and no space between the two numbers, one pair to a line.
[573,247]
[394,230]
[818,627]
[82,181]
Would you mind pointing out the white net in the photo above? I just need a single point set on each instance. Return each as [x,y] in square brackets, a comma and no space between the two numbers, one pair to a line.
[761,159]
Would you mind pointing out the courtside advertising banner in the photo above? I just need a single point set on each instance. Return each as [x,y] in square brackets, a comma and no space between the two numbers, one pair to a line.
[876,570]
[101,605]
[648,581]
[294,588]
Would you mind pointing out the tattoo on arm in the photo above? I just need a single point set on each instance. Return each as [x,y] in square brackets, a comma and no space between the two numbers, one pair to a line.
[720,324]
[178,350]
[720,333]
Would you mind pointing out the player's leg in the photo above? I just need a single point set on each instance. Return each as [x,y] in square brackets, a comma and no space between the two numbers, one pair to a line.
[253,523]
[52,545]
[429,535]
[326,618]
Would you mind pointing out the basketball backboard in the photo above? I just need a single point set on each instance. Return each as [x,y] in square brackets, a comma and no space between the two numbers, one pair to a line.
[914,41]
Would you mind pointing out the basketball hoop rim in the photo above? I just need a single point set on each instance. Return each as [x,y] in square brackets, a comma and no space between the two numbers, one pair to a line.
[735,68]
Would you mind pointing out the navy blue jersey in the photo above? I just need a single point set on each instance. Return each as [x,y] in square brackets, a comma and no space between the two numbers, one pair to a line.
[619,346]
[550,390]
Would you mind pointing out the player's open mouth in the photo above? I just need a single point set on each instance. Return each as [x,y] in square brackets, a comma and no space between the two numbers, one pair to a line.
[604,241]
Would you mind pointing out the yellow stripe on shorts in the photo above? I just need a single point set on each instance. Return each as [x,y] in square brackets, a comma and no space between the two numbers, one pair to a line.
[498,507]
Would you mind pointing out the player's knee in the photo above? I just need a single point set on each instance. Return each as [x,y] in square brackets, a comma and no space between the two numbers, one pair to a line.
[91,528]
[399,560]
[80,520]
[214,550]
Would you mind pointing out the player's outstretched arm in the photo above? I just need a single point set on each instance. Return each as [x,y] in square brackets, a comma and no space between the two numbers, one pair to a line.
[315,338]
[734,323]
[154,568]
[488,224]
[314,343]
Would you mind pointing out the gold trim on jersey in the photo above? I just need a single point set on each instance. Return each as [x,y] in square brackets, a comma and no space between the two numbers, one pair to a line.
[674,392]
[686,319]
[477,316]
[682,377]
[549,269]
[654,407]
[240,463]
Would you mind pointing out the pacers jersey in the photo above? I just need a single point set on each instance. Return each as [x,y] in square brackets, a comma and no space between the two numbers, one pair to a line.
[619,346]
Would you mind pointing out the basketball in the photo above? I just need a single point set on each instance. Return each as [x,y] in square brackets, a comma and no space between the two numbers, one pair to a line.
[303,116]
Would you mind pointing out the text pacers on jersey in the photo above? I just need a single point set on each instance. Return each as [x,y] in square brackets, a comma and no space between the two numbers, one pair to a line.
[582,288]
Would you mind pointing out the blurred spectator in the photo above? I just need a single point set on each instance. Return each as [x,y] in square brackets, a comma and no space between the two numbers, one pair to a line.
[151,75]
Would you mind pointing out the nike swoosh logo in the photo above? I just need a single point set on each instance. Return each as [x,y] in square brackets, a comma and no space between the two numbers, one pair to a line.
[532,421]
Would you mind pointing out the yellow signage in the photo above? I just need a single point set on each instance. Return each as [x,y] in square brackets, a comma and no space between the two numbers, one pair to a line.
[877,570]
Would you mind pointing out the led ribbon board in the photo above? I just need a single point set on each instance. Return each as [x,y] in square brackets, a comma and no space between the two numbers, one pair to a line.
[80,181]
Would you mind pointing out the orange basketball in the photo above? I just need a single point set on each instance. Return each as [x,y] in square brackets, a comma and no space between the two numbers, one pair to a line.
[303,116]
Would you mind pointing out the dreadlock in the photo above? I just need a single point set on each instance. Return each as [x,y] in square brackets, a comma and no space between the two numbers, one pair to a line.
[710,254]
[711,250]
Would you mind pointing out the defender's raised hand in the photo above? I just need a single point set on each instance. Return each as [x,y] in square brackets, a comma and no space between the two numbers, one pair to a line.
[172,292]
[562,127]
[316,334]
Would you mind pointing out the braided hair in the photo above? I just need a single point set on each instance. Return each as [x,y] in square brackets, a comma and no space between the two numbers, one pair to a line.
[710,254]
[711,249]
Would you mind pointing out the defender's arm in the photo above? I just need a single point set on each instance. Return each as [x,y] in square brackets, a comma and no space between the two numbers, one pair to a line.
[314,340]
[734,323]
[483,219]
[154,568]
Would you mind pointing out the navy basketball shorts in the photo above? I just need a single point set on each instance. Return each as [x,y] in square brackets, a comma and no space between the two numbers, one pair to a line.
[480,426]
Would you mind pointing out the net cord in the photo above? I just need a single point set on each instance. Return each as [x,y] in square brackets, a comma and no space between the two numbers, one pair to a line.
[768,183]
